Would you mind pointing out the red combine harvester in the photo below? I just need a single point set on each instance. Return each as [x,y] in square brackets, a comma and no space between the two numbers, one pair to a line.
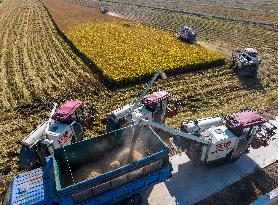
[214,141]
[155,107]
[64,126]
[246,63]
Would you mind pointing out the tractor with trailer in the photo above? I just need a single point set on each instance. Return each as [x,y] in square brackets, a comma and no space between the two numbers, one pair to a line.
[245,63]
[63,127]
[156,106]
[186,34]
[96,171]
[214,141]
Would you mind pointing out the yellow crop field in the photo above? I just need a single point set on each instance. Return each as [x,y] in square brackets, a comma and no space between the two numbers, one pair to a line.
[125,51]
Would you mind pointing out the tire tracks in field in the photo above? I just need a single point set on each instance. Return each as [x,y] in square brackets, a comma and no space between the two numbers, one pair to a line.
[198,14]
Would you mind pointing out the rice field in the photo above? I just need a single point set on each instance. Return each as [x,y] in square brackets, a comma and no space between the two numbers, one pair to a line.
[126,52]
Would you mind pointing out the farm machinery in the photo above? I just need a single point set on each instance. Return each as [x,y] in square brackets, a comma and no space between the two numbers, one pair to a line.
[245,63]
[156,106]
[186,34]
[104,10]
[63,127]
[214,141]
[117,166]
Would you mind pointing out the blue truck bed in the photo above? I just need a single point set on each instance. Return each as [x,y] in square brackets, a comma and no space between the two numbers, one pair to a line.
[62,182]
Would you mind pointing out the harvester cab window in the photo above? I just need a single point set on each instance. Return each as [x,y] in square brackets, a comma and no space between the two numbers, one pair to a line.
[150,107]
[79,115]
[246,132]
[254,130]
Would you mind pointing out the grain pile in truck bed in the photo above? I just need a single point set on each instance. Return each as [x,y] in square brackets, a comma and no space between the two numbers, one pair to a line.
[111,160]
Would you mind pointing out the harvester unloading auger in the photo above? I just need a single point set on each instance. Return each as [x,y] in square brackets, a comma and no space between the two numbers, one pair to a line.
[245,63]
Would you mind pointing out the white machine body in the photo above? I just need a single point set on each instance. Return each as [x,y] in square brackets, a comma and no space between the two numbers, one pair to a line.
[223,142]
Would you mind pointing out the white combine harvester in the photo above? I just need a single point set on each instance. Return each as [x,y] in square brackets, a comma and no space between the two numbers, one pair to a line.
[214,141]
[155,107]
[64,126]
[245,63]
[186,34]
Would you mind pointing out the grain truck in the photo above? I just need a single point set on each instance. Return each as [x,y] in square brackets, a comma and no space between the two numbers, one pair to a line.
[100,170]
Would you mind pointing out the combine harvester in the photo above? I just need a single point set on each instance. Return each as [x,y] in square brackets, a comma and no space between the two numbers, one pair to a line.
[64,126]
[245,63]
[186,34]
[155,107]
[214,141]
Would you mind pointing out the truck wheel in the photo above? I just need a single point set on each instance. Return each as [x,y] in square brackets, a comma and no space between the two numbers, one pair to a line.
[134,200]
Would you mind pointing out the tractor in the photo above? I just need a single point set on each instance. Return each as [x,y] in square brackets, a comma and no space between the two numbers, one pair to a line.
[186,34]
[245,63]
[63,127]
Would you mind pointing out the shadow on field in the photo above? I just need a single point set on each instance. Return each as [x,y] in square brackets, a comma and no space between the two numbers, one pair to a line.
[251,83]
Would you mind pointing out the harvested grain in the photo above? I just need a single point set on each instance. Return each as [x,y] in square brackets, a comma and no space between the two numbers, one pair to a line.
[114,165]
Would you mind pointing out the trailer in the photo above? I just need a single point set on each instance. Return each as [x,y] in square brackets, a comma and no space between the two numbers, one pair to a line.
[100,170]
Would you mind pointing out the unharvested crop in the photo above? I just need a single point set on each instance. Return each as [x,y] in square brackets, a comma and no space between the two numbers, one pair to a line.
[125,51]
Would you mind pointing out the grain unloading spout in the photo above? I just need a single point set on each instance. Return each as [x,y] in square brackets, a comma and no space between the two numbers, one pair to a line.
[141,96]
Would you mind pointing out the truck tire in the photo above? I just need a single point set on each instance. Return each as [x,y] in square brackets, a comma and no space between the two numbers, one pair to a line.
[133,200]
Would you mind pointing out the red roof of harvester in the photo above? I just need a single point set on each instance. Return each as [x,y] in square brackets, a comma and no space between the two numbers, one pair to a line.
[67,109]
[251,50]
[244,119]
[155,97]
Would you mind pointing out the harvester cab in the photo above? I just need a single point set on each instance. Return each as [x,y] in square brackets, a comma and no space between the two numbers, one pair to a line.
[245,63]
[155,107]
[104,10]
[64,126]
[187,34]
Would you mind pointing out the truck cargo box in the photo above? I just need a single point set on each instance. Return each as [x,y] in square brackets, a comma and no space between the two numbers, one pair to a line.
[101,163]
